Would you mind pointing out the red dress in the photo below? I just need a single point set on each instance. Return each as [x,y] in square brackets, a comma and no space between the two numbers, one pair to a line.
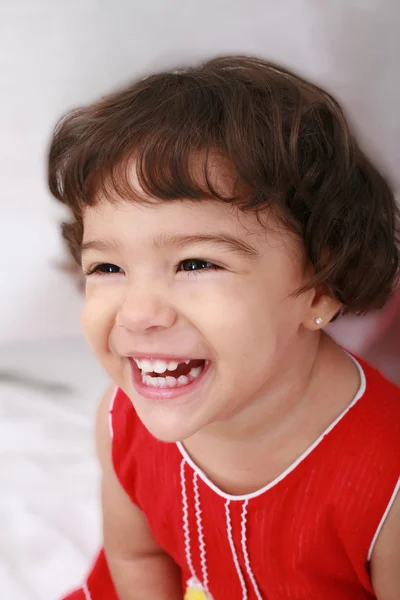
[307,535]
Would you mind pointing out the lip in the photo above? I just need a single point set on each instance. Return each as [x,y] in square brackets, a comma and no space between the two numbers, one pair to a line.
[164,357]
[164,393]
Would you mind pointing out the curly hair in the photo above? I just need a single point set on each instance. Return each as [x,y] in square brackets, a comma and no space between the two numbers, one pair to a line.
[286,140]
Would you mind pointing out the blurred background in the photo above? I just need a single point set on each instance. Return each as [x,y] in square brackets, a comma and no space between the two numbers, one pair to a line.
[53,57]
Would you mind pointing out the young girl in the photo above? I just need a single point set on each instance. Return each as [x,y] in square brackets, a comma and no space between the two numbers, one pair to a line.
[222,216]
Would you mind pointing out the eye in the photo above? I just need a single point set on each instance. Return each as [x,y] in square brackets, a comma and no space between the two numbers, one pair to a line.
[104,269]
[197,264]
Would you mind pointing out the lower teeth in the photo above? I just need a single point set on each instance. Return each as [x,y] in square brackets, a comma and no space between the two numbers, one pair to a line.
[171,382]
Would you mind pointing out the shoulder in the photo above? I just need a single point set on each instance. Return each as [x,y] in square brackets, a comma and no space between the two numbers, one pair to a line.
[117,439]
[375,433]
[118,427]
[384,552]
[385,556]
[132,446]
[365,463]
[368,435]
[123,421]
[377,384]
[103,432]
[379,410]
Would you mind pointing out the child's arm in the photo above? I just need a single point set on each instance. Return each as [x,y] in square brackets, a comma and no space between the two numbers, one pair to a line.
[385,560]
[139,568]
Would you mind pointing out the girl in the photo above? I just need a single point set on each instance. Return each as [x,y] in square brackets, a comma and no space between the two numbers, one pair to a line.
[222,216]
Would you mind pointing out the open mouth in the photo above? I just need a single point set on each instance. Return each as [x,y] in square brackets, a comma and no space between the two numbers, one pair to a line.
[169,374]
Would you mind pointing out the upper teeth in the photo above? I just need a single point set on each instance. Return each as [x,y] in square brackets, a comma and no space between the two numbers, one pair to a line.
[157,366]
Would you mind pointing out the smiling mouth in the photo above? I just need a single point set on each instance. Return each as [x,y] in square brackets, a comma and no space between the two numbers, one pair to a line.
[169,373]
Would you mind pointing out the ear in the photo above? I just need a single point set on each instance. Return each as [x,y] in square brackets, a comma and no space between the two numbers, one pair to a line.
[322,309]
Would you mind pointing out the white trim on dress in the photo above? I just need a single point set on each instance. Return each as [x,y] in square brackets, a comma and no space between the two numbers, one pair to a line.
[384,517]
[110,410]
[86,592]
[292,467]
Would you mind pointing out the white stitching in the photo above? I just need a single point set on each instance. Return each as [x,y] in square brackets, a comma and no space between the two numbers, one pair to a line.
[185,516]
[245,551]
[200,534]
[233,550]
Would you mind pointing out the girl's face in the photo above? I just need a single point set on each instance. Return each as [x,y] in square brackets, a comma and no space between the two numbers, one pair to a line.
[192,281]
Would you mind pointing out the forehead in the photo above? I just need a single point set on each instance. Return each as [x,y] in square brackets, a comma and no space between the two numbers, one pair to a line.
[134,221]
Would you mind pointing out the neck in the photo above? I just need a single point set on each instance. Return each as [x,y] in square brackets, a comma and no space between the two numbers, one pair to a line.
[303,399]
[288,395]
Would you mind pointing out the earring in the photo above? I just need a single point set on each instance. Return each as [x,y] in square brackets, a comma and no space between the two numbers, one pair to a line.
[318,320]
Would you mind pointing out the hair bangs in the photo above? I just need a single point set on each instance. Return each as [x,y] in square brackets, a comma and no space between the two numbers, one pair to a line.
[153,174]
[174,147]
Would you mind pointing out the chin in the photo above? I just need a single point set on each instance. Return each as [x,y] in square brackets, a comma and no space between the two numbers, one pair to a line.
[166,423]
[168,433]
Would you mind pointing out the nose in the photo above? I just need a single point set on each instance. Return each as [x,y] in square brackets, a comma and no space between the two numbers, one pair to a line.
[144,311]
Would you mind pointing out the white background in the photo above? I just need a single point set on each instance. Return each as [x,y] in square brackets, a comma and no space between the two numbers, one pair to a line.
[55,55]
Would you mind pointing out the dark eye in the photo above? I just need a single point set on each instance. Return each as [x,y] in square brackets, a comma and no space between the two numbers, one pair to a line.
[105,269]
[196,264]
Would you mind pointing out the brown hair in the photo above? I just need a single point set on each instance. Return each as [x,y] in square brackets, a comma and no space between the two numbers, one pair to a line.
[286,140]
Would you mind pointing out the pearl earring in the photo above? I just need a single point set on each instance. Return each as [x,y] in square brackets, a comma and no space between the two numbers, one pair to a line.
[319,320]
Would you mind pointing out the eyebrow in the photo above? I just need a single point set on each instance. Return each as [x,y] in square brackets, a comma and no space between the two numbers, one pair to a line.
[225,241]
[101,245]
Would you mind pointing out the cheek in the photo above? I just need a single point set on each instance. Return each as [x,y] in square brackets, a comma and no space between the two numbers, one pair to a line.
[98,316]
[238,312]
[248,326]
